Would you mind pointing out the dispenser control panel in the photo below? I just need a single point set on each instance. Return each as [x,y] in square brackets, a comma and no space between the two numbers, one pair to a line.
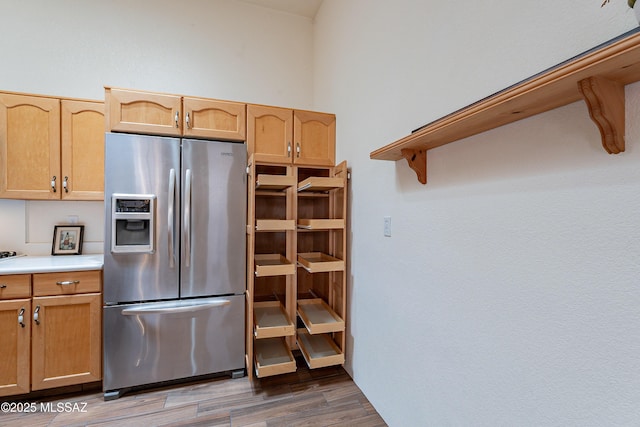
[132,223]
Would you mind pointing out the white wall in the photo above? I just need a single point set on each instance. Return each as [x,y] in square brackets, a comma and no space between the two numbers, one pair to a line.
[508,293]
[223,49]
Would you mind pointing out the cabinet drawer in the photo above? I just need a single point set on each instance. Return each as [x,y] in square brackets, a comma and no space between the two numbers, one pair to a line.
[15,286]
[72,282]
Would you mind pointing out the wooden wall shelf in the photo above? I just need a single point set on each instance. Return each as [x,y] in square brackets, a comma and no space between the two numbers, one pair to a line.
[598,76]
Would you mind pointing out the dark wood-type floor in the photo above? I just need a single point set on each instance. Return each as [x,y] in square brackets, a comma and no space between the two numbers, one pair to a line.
[319,397]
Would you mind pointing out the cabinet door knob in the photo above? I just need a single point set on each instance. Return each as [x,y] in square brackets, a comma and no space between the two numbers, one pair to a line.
[177,119]
[21,317]
[288,149]
[36,315]
[186,119]
[53,183]
[297,149]
[65,184]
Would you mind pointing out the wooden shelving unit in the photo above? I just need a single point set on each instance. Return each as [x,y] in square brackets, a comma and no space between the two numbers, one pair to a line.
[296,248]
[318,262]
[320,224]
[272,356]
[318,317]
[275,224]
[271,320]
[319,350]
[272,265]
[598,76]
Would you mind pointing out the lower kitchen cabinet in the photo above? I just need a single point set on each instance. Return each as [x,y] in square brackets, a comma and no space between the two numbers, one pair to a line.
[66,340]
[15,345]
[53,338]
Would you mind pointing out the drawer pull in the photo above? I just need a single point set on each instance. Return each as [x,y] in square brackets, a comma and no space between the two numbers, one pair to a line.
[68,282]
[36,315]
[3,286]
[21,317]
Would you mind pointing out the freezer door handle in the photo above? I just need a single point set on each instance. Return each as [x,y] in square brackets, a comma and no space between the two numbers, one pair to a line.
[187,218]
[169,308]
[170,217]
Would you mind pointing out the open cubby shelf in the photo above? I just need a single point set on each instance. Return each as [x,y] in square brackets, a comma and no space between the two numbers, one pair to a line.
[296,241]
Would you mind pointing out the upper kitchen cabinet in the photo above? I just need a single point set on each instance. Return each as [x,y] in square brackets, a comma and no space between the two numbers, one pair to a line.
[280,135]
[209,118]
[40,162]
[29,146]
[82,150]
[143,112]
[315,138]
[174,115]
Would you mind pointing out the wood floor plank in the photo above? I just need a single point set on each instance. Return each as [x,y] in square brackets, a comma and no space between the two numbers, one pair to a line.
[276,409]
[107,411]
[325,415]
[210,420]
[160,418]
[319,397]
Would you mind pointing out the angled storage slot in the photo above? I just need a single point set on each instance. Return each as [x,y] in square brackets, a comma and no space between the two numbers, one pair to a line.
[319,350]
[318,262]
[318,317]
[275,224]
[271,320]
[272,356]
[273,265]
[319,184]
[321,224]
[274,182]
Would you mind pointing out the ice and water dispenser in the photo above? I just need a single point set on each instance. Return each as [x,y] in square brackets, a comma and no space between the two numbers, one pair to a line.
[132,223]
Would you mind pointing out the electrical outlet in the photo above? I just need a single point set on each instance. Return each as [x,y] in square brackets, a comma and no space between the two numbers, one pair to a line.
[387,226]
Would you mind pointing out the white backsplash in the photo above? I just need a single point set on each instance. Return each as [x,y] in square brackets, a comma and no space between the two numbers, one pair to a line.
[27,226]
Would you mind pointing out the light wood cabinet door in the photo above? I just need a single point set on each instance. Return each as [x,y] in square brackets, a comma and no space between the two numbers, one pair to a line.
[82,125]
[15,346]
[66,340]
[315,138]
[208,118]
[143,112]
[29,147]
[270,134]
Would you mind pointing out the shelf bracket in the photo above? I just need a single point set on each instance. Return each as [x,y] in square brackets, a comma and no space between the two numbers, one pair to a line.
[605,101]
[417,160]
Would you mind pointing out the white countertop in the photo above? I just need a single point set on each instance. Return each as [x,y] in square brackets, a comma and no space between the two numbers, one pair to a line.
[50,264]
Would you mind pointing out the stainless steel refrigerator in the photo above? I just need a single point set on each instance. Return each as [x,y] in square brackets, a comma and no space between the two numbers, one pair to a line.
[174,260]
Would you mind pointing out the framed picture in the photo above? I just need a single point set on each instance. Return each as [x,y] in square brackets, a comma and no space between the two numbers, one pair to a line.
[67,240]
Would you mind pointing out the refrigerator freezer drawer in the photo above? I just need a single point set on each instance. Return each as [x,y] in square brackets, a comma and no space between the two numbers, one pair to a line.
[154,342]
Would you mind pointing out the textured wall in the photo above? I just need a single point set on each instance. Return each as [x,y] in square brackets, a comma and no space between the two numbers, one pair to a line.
[509,291]
[223,49]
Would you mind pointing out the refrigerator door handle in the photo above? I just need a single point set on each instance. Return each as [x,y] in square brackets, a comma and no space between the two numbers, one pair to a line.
[170,217]
[187,218]
[169,308]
